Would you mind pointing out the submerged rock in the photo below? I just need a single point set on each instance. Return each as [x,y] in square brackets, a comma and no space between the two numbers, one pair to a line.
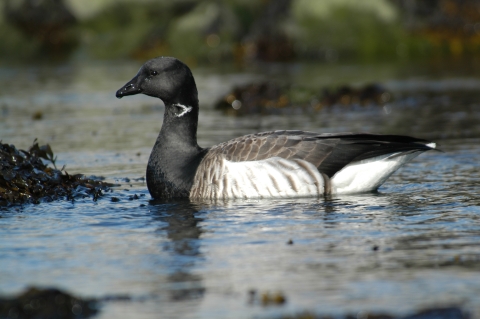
[25,178]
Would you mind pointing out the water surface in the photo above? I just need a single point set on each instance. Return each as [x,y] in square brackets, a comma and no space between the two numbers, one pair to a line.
[414,244]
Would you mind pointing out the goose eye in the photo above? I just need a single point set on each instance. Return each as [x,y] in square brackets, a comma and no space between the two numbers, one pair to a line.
[153,73]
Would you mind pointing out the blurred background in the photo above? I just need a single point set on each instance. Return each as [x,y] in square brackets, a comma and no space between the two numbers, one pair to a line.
[240,31]
[386,66]
[413,62]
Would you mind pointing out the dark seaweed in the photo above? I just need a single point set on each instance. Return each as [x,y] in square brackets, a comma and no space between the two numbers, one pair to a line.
[430,313]
[25,178]
[48,303]
[273,98]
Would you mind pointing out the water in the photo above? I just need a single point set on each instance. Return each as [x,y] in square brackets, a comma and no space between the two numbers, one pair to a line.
[415,244]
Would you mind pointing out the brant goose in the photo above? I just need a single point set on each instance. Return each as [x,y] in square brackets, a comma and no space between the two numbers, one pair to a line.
[268,164]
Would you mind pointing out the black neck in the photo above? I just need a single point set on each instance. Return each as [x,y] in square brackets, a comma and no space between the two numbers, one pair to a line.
[176,154]
[179,130]
[181,116]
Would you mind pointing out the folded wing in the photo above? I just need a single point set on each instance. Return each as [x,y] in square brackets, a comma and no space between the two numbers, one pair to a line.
[328,152]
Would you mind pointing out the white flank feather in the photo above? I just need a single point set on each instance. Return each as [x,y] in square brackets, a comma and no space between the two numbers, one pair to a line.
[273,177]
[278,177]
[369,174]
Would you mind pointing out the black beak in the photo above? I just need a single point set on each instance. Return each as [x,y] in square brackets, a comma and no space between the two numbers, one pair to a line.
[131,88]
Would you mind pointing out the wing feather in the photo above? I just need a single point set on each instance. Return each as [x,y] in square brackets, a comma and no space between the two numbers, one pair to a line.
[328,152]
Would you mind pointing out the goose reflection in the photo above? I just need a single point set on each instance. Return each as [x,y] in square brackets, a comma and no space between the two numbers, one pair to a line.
[180,221]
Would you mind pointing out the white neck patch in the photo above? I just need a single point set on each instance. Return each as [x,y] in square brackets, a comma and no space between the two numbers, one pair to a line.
[186,109]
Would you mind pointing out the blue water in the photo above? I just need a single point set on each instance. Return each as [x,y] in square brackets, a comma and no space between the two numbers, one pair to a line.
[414,244]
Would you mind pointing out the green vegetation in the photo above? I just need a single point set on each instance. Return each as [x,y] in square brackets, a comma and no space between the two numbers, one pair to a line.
[122,29]
[15,44]
[343,30]
[236,31]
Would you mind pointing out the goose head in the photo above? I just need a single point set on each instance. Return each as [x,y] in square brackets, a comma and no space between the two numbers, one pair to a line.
[165,78]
